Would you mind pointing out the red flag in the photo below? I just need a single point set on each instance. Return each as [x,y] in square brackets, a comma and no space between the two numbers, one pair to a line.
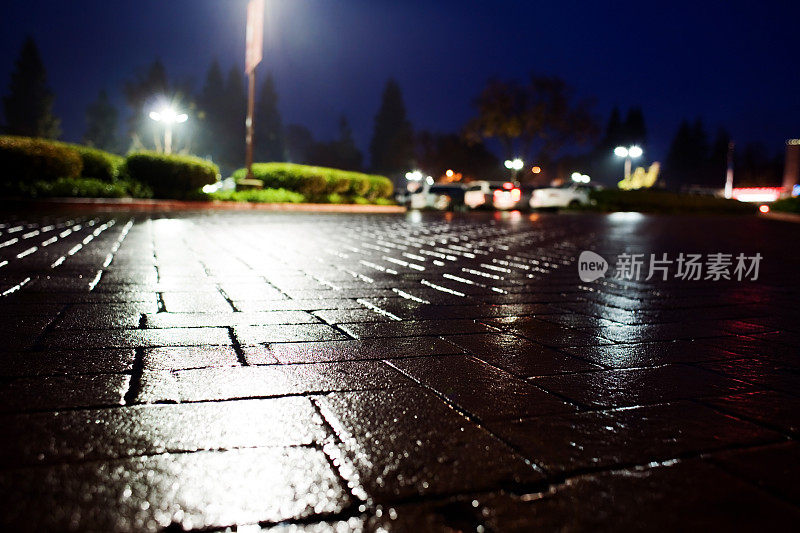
[255,35]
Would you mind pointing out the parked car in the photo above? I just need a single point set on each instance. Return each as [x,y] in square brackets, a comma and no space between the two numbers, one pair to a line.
[570,195]
[443,197]
[492,195]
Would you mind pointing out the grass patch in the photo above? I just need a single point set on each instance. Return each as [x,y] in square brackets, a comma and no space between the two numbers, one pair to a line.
[787,205]
[657,201]
[261,196]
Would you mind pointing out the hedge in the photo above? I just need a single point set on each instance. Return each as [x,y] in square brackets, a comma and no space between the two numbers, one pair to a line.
[24,160]
[87,188]
[318,183]
[171,176]
[658,201]
[787,205]
[97,164]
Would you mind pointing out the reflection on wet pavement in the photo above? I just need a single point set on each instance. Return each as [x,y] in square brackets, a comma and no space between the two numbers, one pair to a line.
[419,372]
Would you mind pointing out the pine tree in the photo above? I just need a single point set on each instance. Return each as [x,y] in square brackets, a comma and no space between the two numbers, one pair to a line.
[392,146]
[348,152]
[29,104]
[635,132]
[101,124]
[232,135]
[140,93]
[268,144]
[211,113]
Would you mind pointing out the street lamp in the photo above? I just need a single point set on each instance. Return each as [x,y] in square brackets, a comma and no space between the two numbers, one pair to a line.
[514,165]
[628,153]
[168,116]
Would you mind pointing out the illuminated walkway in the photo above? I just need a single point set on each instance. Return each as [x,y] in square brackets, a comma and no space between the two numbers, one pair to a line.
[398,372]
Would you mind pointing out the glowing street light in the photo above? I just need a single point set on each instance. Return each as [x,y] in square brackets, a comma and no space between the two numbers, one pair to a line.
[168,116]
[631,152]
[514,165]
[577,177]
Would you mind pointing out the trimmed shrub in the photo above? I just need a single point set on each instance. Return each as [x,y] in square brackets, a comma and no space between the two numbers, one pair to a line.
[171,176]
[266,196]
[87,188]
[657,201]
[787,205]
[24,160]
[97,163]
[318,184]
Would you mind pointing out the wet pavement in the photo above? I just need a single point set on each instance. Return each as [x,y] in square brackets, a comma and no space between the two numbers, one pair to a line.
[310,372]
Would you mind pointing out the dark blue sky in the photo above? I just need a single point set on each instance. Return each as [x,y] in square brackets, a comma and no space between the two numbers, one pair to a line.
[735,63]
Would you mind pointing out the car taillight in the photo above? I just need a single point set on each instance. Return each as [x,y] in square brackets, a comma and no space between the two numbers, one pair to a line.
[497,194]
[516,194]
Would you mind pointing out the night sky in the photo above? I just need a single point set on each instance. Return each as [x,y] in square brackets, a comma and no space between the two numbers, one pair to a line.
[734,63]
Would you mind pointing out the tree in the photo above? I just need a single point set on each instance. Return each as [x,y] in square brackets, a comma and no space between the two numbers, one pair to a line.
[501,106]
[29,104]
[687,159]
[537,119]
[299,143]
[232,134]
[339,153]
[211,115]
[268,144]
[142,93]
[634,131]
[392,146]
[101,124]
[439,153]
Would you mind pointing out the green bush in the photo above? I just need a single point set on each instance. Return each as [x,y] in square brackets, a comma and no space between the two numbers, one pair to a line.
[98,164]
[87,188]
[787,205]
[266,196]
[171,176]
[24,160]
[317,184]
[658,201]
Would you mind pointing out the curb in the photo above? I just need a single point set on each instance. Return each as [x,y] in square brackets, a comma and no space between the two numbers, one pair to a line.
[786,217]
[187,205]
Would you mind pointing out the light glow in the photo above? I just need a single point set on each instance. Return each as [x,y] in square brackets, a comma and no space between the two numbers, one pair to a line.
[756,194]
[621,151]
[764,208]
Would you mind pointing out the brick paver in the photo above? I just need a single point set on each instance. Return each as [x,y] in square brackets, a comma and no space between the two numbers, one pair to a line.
[345,372]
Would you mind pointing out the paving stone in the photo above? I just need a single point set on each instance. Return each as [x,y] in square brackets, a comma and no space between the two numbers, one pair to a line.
[191,302]
[519,355]
[115,338]
[635,436]
[770,467]
[58,392]
[650,353]
[318,352]
[47,362]
[406,442]
[764,372]
[480,389]
[547,333]
[266,381]
[619,388]
[196,490]
[105,316]
[773,409]
[255,306]
[248,335]
[412,328]
[685,496]
[189,357]
[130,431]
[205,320]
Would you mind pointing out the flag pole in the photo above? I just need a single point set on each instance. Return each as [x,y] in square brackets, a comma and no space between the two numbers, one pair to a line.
[254,41]
[251,89]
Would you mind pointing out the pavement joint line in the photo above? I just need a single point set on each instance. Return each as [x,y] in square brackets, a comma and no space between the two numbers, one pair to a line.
[237,347]
[752,420]
[137,372]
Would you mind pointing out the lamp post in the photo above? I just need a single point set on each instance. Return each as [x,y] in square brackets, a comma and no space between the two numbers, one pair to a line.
[631,152]
[514,165]
[168,116]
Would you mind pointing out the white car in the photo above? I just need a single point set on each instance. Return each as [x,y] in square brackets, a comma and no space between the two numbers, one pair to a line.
[442,197]
[571,195]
